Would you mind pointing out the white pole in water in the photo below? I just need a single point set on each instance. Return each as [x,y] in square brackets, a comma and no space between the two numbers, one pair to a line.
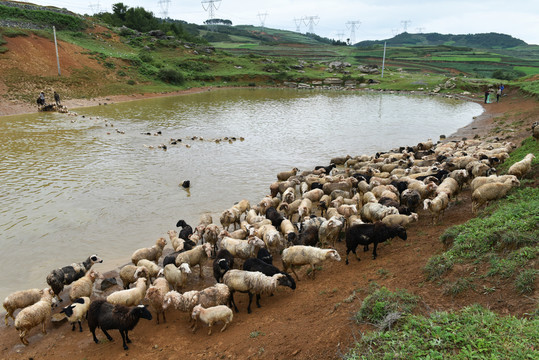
[384,59]
[56,47]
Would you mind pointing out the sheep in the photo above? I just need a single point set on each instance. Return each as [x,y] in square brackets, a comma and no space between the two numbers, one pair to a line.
[196,256]
[284,175]
[152,254]
[243,206]
[275,217]
[205,219]
[218,294]
[299,255]
[111,316]
[212,315]
[240,248]
[131,296]
[369,197]
[35,314]
[520,168]
[411,199]
[365,234]
[402,220]
[482,180]
[130,273]
[375,212]
[253,265]
[327,169]
[314,195]
[211,235]
[288,230]
[290,209]
[223,262]
[436,206]
[493,191]
[304,208]
[83,286]
[535,130]
[153,269]
[252,217]
[329,231]
[425,190]
[307,236]
[324,204]
[450,186]
[289,195]
[230,217]
[77,311]
[186,230]
[252,283]
[347,210]
[19,300]
[177,243]
[271,237]
[176,276]
[60,277]
[264,255]
[155,296]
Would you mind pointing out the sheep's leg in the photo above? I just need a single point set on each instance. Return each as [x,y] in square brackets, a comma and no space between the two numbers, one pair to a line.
[72,326]
[194,327]
[127,337]
[109,338]
[22,336]
[294,272]
[6,316]
[224,327]
[164,318]
[123,339]
[313,270]
[250,299]
[80,326]
[232,302]
[95,338]
[43,329]
[258,300]
[374,250]
[209,326]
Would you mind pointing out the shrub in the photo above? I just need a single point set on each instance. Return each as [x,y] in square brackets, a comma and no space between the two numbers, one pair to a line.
[171,76]
[508,74]
[145,58]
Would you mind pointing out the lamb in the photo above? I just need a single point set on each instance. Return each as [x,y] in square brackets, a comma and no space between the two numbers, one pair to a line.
[110,316]
[252,283]
[83,287]
[77,311]
[284,175]
[176,276]
[520,168]
[153,269]
[153,253]
[375,212]
[130,273]
[129,297]
[33,315]
[60,277]
[493,191]
[298,255]
[218,294]
[365,234]
[240,248]
[402,220]
[20,300]
[223,262]
[329,231]
[212,315]
[155,296]
[436,206]
[186,230]
[288,230]
[196,256]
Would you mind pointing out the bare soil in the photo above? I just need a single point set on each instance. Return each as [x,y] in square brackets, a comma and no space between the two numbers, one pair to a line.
[316,321]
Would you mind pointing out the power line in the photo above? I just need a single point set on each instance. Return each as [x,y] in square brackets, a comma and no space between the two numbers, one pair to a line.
[210,6]
[262,18]
[298,24]
[351,25]
[311,21]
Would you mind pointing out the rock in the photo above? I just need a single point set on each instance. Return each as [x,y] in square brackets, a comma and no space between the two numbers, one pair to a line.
[332,81]
[290,84]
[369,69]
[108,282]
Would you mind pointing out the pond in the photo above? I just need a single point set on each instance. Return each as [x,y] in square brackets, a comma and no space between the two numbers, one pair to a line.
[97,183]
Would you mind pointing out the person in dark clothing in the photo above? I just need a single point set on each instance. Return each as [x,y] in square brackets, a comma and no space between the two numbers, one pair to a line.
[498,94]
[57,98]
[41,99]
[487,93]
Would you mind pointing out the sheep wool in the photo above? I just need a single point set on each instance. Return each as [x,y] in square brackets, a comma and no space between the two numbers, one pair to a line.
[211,315]
[20,300]
[129,297]
[33,315]
[83,287]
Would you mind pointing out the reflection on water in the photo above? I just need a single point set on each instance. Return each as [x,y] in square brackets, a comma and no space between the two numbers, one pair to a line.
[73,186]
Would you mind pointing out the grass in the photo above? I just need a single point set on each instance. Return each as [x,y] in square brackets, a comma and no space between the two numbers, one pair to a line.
[472,333]
[528,146]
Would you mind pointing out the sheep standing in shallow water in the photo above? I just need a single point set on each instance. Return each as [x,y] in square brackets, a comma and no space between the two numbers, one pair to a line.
[33,315]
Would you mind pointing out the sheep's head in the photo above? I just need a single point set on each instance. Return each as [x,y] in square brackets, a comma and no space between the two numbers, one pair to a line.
[172,234]
[161,242]
[94,259]
[207,249]
[333,254]
[286,280]
[196,311]
[184,267]
[256,241]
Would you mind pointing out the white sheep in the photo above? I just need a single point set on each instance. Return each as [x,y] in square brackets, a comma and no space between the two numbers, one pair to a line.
[33,315]
[83,287]
[20,300]
[176,276]
[493,191]
[271,237]
[450,186]
[153,269]
[153,253]
[284,175]
[290,209]
[436,206]
[129,297]
[243,206]
[520,168]
[230,217]
[196,256]
[252,217]
[77,311]
[482,180]
[304,208]
[289,195]
[376,212]
[288,230]
[218,294]
[402,220]
[155,296]
[298,255]
[314,195]
[212,315]
[329,231]
[130,273]
[240,248]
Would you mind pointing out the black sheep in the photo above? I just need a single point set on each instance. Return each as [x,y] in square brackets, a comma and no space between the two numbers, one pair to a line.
[411,199]
[264,255]
[275,217]
[326,168]
[365,234]
[308,236]
[223,262]
[109,316]
[67,274]
[403,209]
[186,230]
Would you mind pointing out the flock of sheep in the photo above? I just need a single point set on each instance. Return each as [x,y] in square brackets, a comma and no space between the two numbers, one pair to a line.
[369,199]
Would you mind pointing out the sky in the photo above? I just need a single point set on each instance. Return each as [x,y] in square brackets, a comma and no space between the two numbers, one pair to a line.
[356,20]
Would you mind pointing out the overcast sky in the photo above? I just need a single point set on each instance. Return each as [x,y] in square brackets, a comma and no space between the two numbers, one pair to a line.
[370,19]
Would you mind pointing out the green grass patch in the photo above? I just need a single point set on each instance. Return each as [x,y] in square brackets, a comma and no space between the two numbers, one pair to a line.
[528,146]
[12,32]
[528,70]
[472,333]
[525,281]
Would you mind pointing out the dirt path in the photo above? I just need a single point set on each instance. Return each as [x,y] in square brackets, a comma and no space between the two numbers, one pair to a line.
[316,320]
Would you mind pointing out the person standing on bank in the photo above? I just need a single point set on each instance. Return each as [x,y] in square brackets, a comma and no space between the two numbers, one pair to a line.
[487,93]
[498,94]
[57,98]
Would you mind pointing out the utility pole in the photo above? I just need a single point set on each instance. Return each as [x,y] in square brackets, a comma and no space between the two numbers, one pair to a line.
[163,5]
[351,25]
[405,24]
[384,59]
[298,24]
[56,47]
[210,6]
[262,18]
[311,21]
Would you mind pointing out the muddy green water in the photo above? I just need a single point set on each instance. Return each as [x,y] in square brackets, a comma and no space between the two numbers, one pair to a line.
[71,186]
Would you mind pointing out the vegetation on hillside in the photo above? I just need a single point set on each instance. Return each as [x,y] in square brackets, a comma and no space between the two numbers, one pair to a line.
[43,18]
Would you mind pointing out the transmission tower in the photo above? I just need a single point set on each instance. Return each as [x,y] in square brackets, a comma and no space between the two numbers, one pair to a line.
[405,24]
[420,30]
[352,25]
[262,18]
[311,21]
[95,8]
[298,24]
[210,6]
[340,35]
[163,5]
